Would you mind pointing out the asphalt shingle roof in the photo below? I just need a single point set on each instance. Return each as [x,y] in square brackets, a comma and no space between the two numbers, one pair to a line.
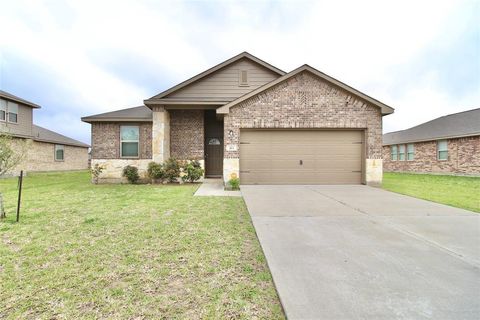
[45,135]
[462,124]
[9,96]
[141,113]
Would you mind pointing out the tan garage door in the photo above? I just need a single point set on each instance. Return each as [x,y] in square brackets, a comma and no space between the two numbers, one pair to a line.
[301,157]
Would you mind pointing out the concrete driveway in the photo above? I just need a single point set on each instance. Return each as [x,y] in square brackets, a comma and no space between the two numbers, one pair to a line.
[355,252]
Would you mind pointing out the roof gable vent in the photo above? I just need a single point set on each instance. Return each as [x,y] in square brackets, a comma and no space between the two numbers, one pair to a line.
[243,78]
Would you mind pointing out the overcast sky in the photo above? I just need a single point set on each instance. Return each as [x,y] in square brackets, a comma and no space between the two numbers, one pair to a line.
[77,58]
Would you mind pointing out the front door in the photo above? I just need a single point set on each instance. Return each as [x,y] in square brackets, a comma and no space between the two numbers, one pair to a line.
[213,145]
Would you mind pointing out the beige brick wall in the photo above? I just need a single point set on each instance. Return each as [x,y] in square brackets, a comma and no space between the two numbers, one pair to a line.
[106,140]
[305,101]
[40,156]
[463,158]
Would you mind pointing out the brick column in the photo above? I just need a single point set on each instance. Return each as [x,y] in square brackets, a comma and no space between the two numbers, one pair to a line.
[160,134]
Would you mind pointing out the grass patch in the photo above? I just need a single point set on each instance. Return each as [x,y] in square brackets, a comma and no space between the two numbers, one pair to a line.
[461,192]
[129,251]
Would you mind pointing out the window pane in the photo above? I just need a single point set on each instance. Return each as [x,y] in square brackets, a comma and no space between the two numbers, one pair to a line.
[2,115]
[410,156]
[129,149]
[401,156]
[129,133]
[3,105]
[442,145]
[394,152]
[12,117]
[12,107]
[410,147]
[59,155]
[443,155]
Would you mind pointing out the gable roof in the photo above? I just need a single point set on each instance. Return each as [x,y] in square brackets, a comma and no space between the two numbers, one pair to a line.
[11,97]
[456,125]
[141,114]
[385,109]
[45,135]
[160,98]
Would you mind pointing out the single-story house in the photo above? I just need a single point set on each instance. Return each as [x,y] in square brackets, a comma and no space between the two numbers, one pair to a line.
[247,118]
[448,145]
[45,150]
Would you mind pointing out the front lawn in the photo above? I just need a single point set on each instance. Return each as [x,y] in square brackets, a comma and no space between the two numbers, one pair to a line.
[129,251]
[461,192]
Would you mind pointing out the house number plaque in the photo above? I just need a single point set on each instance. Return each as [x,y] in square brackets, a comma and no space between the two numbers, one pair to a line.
[232,147]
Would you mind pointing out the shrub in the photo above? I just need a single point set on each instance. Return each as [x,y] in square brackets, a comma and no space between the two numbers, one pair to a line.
[156,171]
[96,171]
[131,173]
[192,170]
[172,169]
[234,183]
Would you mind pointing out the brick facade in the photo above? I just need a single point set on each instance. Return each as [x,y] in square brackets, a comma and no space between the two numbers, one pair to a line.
[463,158]
[106,140]
[40,156]
[305,101]
[187,134]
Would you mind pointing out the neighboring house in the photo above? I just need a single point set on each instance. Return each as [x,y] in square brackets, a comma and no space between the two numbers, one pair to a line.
[247,118]
[449,144]
[46,150]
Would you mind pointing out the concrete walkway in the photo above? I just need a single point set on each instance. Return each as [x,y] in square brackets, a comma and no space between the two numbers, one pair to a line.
[214,187]
[355,252]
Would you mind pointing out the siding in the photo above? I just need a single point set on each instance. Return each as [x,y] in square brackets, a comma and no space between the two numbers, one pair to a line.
[24,125]
[224,83]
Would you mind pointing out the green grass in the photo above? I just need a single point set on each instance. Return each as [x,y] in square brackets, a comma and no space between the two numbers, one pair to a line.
[461,192]
[129,251]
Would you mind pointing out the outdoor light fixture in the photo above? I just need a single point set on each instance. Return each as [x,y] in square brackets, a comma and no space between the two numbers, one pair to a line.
[230,134]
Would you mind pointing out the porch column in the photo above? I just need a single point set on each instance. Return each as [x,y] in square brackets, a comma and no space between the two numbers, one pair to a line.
[160,134]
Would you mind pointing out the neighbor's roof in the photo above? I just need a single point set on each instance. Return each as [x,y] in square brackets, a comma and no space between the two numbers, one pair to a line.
[45,135]
[160,98]
[385,109]
[11,97]
[141,114]
[462,124]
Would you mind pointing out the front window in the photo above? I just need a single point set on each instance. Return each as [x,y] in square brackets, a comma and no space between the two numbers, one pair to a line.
[401,152]
[410,151]
[59,152]
[3,110]
[129,141]
[442,150]
[394,152]
[12,112]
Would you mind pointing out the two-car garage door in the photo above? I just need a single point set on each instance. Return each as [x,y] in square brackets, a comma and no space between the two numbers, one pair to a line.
[301,156]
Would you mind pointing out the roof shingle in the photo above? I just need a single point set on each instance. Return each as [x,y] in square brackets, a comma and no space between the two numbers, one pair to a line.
[462,124]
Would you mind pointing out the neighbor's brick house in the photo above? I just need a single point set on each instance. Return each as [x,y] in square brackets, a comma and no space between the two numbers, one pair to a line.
[248,118]
[45,150]
[447,145]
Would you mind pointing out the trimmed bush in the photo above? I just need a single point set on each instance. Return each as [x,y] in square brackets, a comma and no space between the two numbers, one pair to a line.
[192,170]
[156,172]
[172,169]
[131,173]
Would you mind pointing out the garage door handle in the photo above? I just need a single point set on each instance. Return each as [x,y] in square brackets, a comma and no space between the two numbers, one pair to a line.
[357,171]
[244,171]
[301,162]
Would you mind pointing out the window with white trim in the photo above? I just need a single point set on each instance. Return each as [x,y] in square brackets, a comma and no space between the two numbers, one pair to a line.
[442,150]
[59,152]
[393,150]
[12,110]
[3,110]
[401,152]
[410,152]
[129,141]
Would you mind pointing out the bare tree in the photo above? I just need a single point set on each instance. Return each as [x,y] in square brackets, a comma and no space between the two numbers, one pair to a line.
[11,154]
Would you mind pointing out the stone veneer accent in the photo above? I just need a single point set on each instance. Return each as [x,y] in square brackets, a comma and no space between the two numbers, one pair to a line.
[187,134]
[463,158]
[40,156]
[160,134]
[306,101]
[106,140]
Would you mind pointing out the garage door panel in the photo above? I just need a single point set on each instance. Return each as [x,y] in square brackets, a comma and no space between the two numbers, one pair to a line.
[301,157]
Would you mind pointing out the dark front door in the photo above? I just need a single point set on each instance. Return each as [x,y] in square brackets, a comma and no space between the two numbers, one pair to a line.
[213,145]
